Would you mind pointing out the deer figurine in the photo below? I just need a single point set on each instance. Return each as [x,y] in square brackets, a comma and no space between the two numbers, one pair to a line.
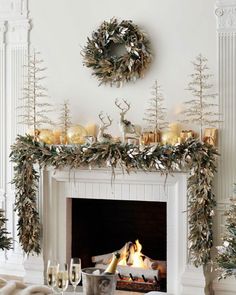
[126,127]
[104,137]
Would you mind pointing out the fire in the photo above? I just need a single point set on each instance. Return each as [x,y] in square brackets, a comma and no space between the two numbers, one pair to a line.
[133,256]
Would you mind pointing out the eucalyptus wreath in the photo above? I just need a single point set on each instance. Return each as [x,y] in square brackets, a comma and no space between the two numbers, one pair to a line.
[111,68]
[196,157]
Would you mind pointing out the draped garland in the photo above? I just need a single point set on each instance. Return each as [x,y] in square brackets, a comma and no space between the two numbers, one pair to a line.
[198,158]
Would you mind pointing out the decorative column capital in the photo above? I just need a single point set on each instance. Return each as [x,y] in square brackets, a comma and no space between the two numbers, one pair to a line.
[226,15]
[2,31]
[12,9]
[19,31]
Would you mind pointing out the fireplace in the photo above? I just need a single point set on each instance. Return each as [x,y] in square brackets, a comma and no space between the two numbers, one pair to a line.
[60,189]
[103,226]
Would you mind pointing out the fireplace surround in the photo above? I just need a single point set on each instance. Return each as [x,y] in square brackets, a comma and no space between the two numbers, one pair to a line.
[58,188]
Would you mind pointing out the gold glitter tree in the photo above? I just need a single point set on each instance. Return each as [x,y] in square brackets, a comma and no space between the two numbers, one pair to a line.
[201,110]
[65,118]
[156,114]
[35,110]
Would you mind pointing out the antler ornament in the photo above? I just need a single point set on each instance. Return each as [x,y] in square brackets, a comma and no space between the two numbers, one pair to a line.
[102,136]
[126,127]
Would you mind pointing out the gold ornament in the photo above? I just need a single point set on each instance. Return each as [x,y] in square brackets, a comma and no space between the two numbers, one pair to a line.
[46,136]
[76,135]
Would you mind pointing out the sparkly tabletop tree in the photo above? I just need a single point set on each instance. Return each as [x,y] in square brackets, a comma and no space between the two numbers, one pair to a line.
[35,110]
[226,258]
[65,120]
[5,241]
[156,114]
[201,110]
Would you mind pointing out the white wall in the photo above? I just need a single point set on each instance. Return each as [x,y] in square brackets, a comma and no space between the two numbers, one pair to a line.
[178,29]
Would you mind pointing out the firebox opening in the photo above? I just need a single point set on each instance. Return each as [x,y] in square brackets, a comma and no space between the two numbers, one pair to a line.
[104,226]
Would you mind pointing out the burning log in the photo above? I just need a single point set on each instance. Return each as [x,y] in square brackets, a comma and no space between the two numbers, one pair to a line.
[136,271]
[106,258]
[131,256]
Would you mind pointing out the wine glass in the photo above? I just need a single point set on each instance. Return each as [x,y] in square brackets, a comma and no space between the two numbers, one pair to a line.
[75,272]
[52,269]
[62,278]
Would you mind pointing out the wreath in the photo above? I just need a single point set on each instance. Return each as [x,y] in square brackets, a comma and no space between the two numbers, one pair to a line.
[108,66]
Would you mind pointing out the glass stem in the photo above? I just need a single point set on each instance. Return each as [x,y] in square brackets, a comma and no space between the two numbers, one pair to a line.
[74,289]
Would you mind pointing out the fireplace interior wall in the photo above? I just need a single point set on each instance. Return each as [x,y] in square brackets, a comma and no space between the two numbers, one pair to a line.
[103,226]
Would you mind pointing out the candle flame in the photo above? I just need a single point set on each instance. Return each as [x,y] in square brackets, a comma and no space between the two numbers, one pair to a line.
[134,258]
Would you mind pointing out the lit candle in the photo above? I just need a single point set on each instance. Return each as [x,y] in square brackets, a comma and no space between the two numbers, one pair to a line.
[175,127]
[169,137]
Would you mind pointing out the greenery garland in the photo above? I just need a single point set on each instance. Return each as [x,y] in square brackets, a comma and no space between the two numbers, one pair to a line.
[112,69]
[197,157]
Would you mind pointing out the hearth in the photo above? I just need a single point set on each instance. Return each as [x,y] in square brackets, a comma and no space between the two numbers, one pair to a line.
[100,227]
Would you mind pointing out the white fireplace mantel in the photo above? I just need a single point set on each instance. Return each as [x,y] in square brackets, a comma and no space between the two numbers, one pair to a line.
[59,187]
[14,42]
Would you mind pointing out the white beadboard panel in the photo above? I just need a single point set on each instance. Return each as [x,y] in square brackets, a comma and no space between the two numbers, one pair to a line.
[140,190]
[119,189]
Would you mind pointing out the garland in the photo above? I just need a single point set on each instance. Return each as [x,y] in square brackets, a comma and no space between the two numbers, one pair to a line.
[109,68]
[197,157]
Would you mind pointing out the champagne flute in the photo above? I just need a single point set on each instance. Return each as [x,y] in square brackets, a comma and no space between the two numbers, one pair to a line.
[62,278]
[52,269]
[75,272]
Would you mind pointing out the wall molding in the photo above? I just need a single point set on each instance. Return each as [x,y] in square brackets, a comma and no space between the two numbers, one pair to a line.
[14,47]
[226,15]
[226,27]
[13,9]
